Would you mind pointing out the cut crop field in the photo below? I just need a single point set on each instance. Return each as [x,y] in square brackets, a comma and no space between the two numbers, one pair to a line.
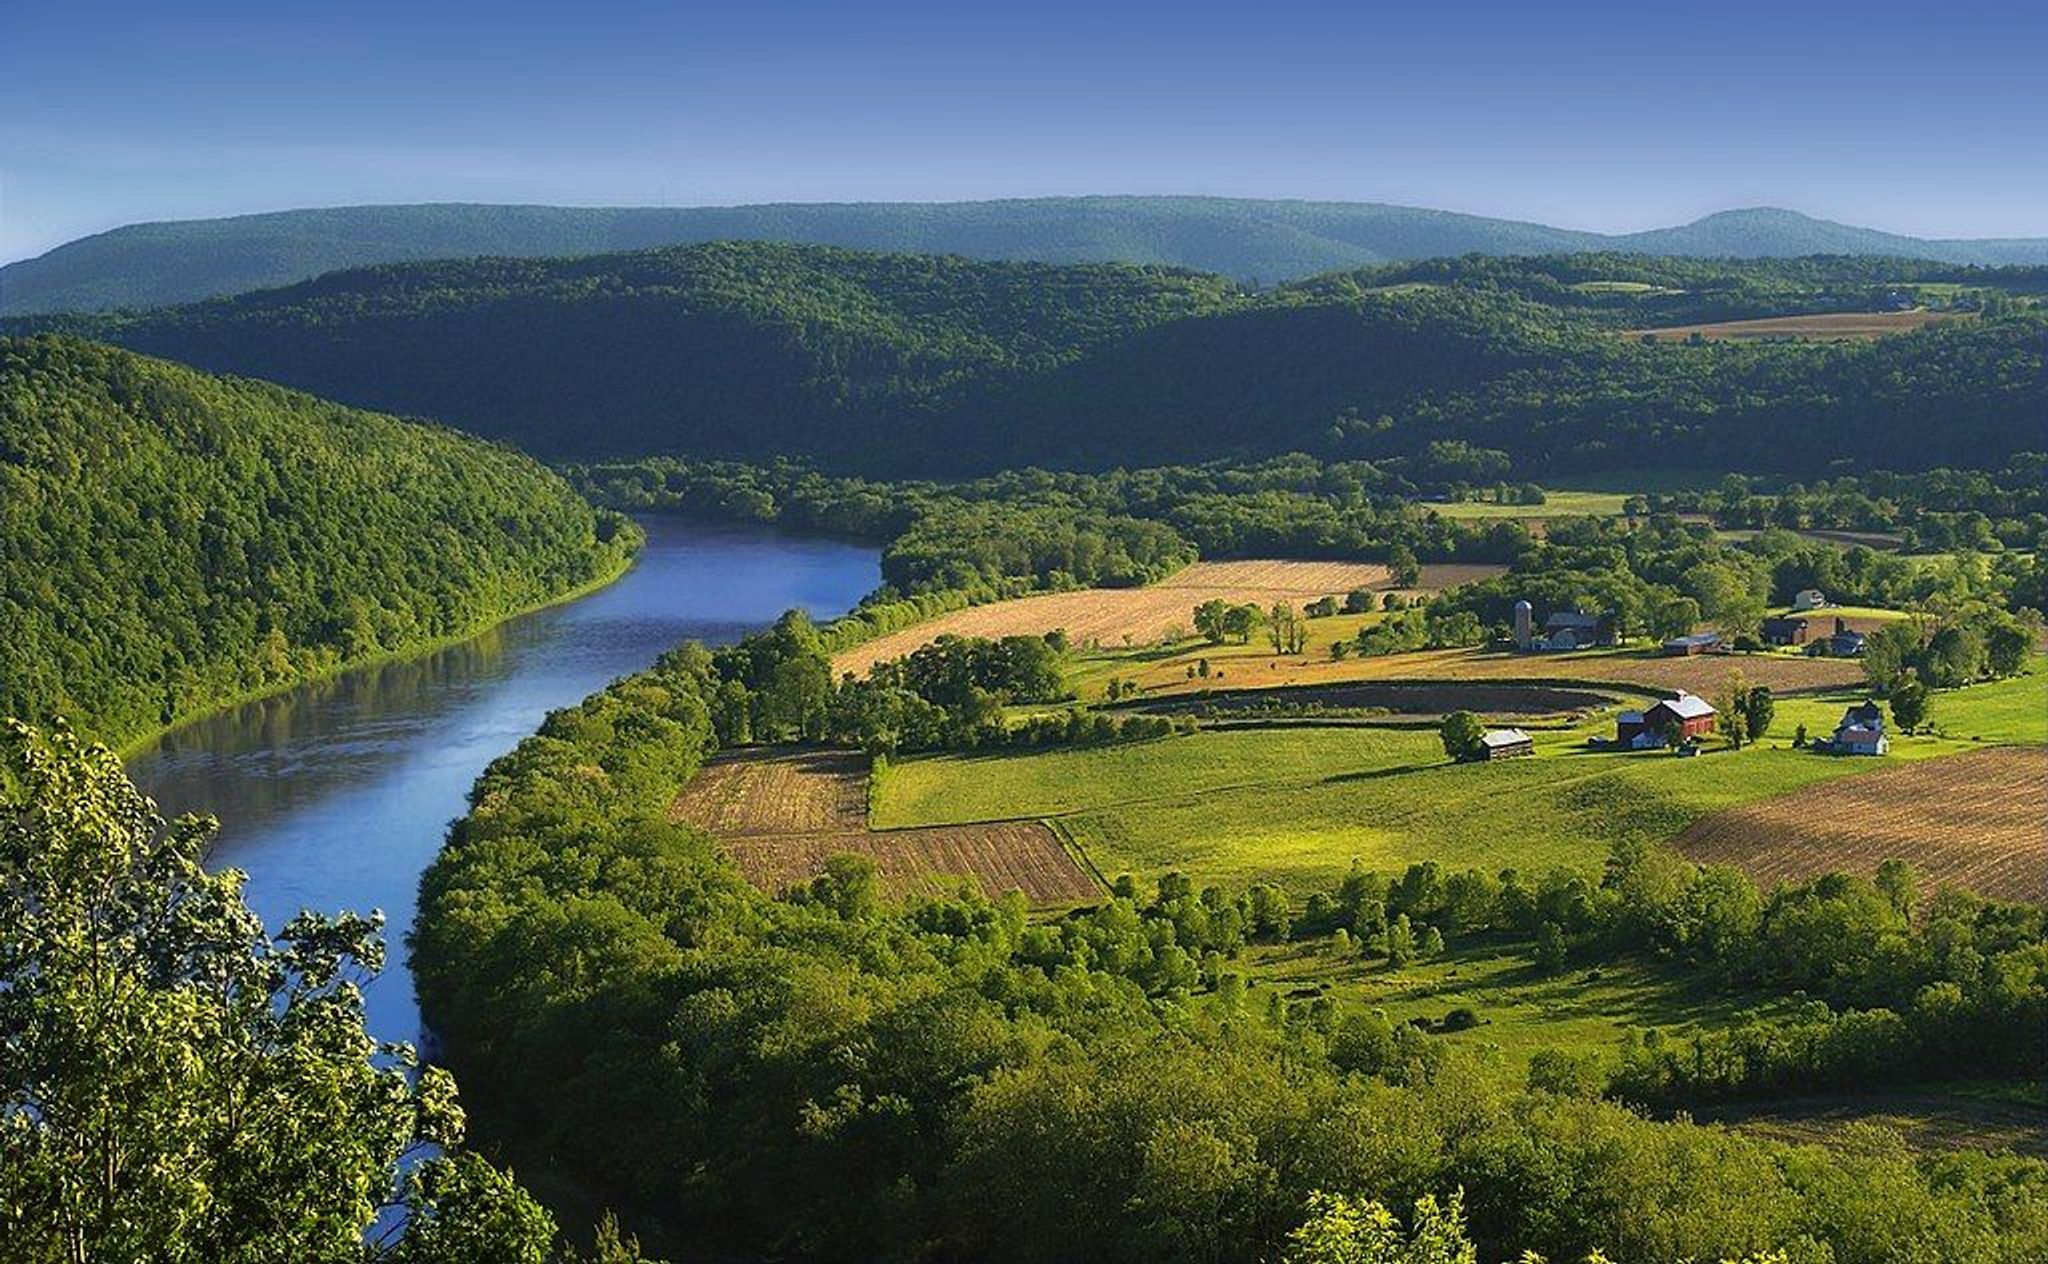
[1256,667]
[1974,820]
[782,814]
[1822,327]
[800,792]
[1115,616]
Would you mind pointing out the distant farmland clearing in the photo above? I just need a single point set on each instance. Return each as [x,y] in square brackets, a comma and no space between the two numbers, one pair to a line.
[1824,327]
[782,815]
[1145,614]
[1971,820]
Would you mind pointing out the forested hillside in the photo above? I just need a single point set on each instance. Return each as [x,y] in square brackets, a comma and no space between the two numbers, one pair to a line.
[170,540]
[897,364]
[142,265]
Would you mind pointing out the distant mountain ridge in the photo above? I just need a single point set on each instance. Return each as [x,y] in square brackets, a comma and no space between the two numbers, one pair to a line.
[902,364]
[156,264]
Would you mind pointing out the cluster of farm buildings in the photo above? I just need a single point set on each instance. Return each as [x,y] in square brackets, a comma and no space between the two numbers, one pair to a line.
[1578,630]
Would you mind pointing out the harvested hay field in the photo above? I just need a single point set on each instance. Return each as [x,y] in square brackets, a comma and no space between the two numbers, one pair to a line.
[1701,674]
[1109,615]
[1402,697]
[1823,327]
[800,792]
[1973,820]
[781,815]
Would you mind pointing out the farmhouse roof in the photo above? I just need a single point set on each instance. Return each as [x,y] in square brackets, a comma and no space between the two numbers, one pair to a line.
[1860,736]
[1686,706]
[1696,638]
[1504,737]
[1572,619]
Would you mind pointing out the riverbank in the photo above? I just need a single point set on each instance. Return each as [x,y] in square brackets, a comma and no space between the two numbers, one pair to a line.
[615,569]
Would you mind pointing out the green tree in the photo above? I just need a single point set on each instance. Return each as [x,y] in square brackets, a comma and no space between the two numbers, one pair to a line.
[1731,710]
[1340,1230]
[2007,642]
[180,1087]
[1758,709]
[1910,703]
[1406,570]
[1675,616]
[1461,732]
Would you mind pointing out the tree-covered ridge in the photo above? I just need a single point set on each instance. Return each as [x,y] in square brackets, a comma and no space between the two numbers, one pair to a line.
[901,364]
[151,264]
[170,540]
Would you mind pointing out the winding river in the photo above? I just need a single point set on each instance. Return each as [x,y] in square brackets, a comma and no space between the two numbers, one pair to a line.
[336,795]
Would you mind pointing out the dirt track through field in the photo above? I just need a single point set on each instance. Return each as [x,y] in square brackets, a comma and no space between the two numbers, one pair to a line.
[1974,821]
[1702,674]
[1824,326]
[1110,615]
[782,815]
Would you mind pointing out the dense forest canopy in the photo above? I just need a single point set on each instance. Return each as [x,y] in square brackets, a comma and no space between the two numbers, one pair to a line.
[901,364]
[152,264]
[170,541]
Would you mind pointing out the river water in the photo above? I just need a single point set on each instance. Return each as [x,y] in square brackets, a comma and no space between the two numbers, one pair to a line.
[336,795]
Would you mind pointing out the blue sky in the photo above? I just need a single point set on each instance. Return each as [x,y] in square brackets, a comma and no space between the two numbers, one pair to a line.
[1919,118]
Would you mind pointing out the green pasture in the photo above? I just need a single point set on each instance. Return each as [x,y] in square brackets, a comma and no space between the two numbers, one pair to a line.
[1521,1010]
[1296,805]
[1557,504]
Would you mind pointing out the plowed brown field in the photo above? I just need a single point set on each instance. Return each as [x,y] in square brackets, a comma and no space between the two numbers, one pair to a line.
[782,815]
[1702,674]
[1109,615]
[1973,821]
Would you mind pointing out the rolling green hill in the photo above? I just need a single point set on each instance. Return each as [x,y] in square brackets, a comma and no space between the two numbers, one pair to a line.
[899,364]
[162,263]
[170,541]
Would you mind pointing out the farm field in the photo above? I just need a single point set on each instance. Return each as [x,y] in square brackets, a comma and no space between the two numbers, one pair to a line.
[1974,820]
[782,815]
[1823,327]
[1256,666]
[1144,615]
[1557,504]
[1297,806]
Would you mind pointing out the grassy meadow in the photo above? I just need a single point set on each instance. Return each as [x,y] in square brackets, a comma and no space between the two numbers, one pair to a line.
[1521,1009]
[1556,504]
[1296,805]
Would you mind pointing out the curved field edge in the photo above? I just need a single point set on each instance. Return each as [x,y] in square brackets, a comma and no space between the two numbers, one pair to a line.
[780,815]
[1978,820]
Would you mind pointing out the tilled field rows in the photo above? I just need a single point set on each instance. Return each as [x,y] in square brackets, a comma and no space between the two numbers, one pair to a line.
[1974,821]
[782,815]
[999,857]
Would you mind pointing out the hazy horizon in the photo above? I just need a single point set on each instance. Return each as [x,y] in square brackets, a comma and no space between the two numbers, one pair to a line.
[1606,117]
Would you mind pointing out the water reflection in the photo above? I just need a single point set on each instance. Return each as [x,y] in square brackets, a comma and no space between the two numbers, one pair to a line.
[336,794]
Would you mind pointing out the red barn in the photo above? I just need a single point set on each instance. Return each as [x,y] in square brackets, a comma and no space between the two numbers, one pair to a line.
[1693,715]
